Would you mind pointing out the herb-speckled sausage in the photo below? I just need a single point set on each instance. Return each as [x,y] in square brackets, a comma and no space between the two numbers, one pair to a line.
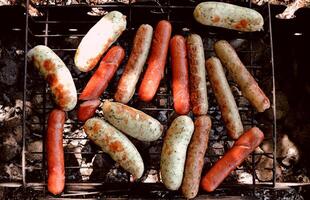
[116,144]
[228,16]
[173,154]
[131,121]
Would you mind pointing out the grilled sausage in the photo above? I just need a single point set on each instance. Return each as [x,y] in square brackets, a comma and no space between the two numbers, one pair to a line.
[228,16]
[198,85]
[242,76]
[131,121]
[87,109]
[55,152]
[156,62]
[224,97]
[173,152]
[140,50]
[98,39]
[116,144]
[246,143]
[59,78]
[105,72]
[179,67]
[195,156]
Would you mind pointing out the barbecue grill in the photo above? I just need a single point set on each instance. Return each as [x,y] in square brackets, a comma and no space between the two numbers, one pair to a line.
[62,26]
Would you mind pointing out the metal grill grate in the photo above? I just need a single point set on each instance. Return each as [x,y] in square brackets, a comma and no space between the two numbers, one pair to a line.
[62,26]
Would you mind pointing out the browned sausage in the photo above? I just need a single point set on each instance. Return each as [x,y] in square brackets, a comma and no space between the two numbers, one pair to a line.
[87,109]
[234,157]
[156,62]
[195,156]
[55,152]
[179,68]
[198,85]
[224,97]
[101,78]
[241,75]
[140,50]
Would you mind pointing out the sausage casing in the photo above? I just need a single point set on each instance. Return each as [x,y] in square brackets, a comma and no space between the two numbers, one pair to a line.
[229,16]
[55,152]
[174,149]
[249,87]
[224,97]
[116,144]
[179,65]
[87,109]
[198,85]
[103,75]
[59,78]
[246,144]
[98,39]
[195,156]
[156,62]
[140,50]
[131,121]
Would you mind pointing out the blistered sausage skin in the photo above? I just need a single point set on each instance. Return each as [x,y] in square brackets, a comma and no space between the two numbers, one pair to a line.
[224,97]
[249,87]
[131,121]
[103,75]
[179,66]
[198,85]
[98,39]
[156,61]
[246,144]
[195,156]
[229,16]
[116,144]
[55,152]
[56,73]
[174,149]
[140,50]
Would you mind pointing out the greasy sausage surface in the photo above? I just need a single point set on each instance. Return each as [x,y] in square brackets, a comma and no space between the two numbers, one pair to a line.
[56,73]
[195,156]
[229,16]
[106,70]
[87,109]
[55,152]
[140,50]
[241,75]
[131,121]
[173,152]
[179,65]
[246,143]
[156,62]
[224,98]
[116,144]
[198,85]
[98,39]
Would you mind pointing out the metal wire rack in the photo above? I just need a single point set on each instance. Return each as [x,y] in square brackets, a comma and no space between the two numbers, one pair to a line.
[61,27]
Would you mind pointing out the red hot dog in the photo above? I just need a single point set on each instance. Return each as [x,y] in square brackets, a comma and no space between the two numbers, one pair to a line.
[55,152]
[87,109]
[234,157]
[101,78]
[156,62]
[179,67]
